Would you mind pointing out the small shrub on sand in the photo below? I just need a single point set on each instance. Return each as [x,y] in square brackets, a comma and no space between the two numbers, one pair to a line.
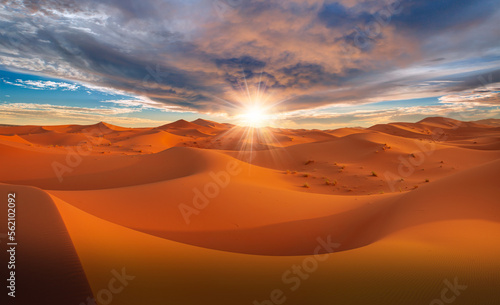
[294,172]
[306,185]
[427,180]
[374,174]
[309,162]
[328,182]
[287,172]
[306,175]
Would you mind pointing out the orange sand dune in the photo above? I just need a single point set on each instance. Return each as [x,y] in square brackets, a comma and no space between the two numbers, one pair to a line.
[14,138]
[46,259]
[193,133]
[406,267]
[153,141]
[356,219]
[21,130]
[100,172]
[490,122]
[211,124]
[188,126]
[101,127]
[438,127]
[208,213]
[342,132]
[58,138]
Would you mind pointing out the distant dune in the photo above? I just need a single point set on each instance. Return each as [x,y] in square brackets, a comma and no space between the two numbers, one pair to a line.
[210,213]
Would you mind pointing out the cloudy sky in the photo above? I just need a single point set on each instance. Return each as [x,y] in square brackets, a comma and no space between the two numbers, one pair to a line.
[309,63]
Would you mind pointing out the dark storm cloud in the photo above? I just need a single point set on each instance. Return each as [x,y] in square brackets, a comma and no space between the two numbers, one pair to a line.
[429,16]
[336,15]
[198,54]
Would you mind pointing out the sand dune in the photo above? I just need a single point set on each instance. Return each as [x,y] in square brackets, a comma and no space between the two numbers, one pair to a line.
[185,125]
[153,141]
[409,205]
[211,124]
[58,138]
[436,128]
[14,138]
[490,122]
[102,172]
[21,130]
[45,255]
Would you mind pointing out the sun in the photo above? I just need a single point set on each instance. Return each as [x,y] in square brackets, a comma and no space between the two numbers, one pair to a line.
[254,116]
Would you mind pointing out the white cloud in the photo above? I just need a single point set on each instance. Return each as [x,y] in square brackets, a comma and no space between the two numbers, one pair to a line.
[24,113]
[145,103]
[473,98]
[42,85]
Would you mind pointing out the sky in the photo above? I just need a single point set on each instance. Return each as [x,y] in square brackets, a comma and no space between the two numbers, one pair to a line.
[304,64]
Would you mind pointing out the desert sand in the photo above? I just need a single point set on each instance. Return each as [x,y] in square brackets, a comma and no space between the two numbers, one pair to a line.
[209,213]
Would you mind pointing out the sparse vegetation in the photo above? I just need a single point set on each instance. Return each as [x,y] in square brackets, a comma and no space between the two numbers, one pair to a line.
[306,185]
[294,172]
[427,180]
[306,175]
[374,174]
[287,172]
[309,162]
